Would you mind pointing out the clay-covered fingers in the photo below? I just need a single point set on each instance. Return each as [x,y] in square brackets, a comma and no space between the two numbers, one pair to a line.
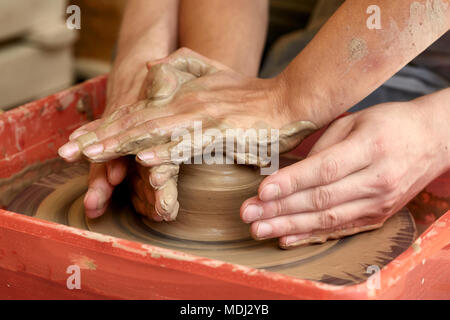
[327,222]
[163,179]
[158,186]
[143,195]
[310,200]
[319,169]
[102,180]
[149,134]
[166,203]
[182,146]
[71,150]
[128,127]
[119,121]
[186,60]
[361,225]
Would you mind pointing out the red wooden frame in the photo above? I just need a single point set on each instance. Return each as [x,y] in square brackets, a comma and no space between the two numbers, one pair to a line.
[35,254]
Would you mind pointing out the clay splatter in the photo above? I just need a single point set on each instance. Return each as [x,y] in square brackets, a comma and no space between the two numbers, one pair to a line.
[357,49]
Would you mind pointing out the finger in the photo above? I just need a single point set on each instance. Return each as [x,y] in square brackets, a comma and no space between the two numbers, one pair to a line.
[144,208]
[91,141]
[162,154]
[122,119]
[166,197]
[183,147]
[142,185]
[159,175]
[309,222]
[145,194]
[71,151]
[116,171]
[189,61]
[360,225]
[352,187]
[161,189]
[322,168]
[99,191]
[147,135]
[85,135]
[85,129]
[138,187]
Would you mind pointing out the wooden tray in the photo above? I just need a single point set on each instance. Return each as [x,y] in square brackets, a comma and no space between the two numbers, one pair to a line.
[35,254]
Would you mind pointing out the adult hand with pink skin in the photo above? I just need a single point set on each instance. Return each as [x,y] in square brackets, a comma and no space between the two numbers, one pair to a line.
[148,32]
[183,88]
[153,29]
[363,169]
[103,177]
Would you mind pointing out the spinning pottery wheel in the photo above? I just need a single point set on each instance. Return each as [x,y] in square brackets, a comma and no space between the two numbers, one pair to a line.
[208,225]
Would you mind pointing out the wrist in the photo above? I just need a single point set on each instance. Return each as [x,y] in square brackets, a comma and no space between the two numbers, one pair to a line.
[435,111]
[129,73]
[302,101]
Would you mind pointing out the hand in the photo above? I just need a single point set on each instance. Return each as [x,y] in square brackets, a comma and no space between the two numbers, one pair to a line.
[124,86]
[186,88]
[154,191]
[364,168]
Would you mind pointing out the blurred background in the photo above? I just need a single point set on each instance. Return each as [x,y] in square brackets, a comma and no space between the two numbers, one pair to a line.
[39,55]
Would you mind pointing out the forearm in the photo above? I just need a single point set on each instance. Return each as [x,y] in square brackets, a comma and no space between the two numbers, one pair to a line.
[148,32]
[232,32]
[346,61]
[435,110]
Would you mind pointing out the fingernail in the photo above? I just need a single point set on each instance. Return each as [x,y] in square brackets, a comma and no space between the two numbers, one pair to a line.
[293,241]
[68,150]
[146,156]
[91,200]
[252,213]
[263,230]
[270,192]
[93,150]
[95,199]
[77,133]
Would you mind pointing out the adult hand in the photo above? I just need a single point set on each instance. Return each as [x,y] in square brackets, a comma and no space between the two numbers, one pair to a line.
[185,88]
[363,169]
[124,87]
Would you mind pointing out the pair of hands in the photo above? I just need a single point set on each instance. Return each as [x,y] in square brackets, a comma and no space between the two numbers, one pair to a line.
[183,88]
[361,171]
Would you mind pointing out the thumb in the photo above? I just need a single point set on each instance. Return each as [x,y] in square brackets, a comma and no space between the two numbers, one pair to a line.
[335,133]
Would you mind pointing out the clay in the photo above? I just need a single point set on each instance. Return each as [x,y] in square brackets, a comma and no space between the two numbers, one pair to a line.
[59,198]
[23,179]
[210,197]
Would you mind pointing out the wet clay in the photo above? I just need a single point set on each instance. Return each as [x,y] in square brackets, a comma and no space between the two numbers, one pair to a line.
[210,197]
[9,187]
[59,198]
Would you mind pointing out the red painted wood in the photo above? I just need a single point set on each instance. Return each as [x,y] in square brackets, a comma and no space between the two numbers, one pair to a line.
[35,254]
